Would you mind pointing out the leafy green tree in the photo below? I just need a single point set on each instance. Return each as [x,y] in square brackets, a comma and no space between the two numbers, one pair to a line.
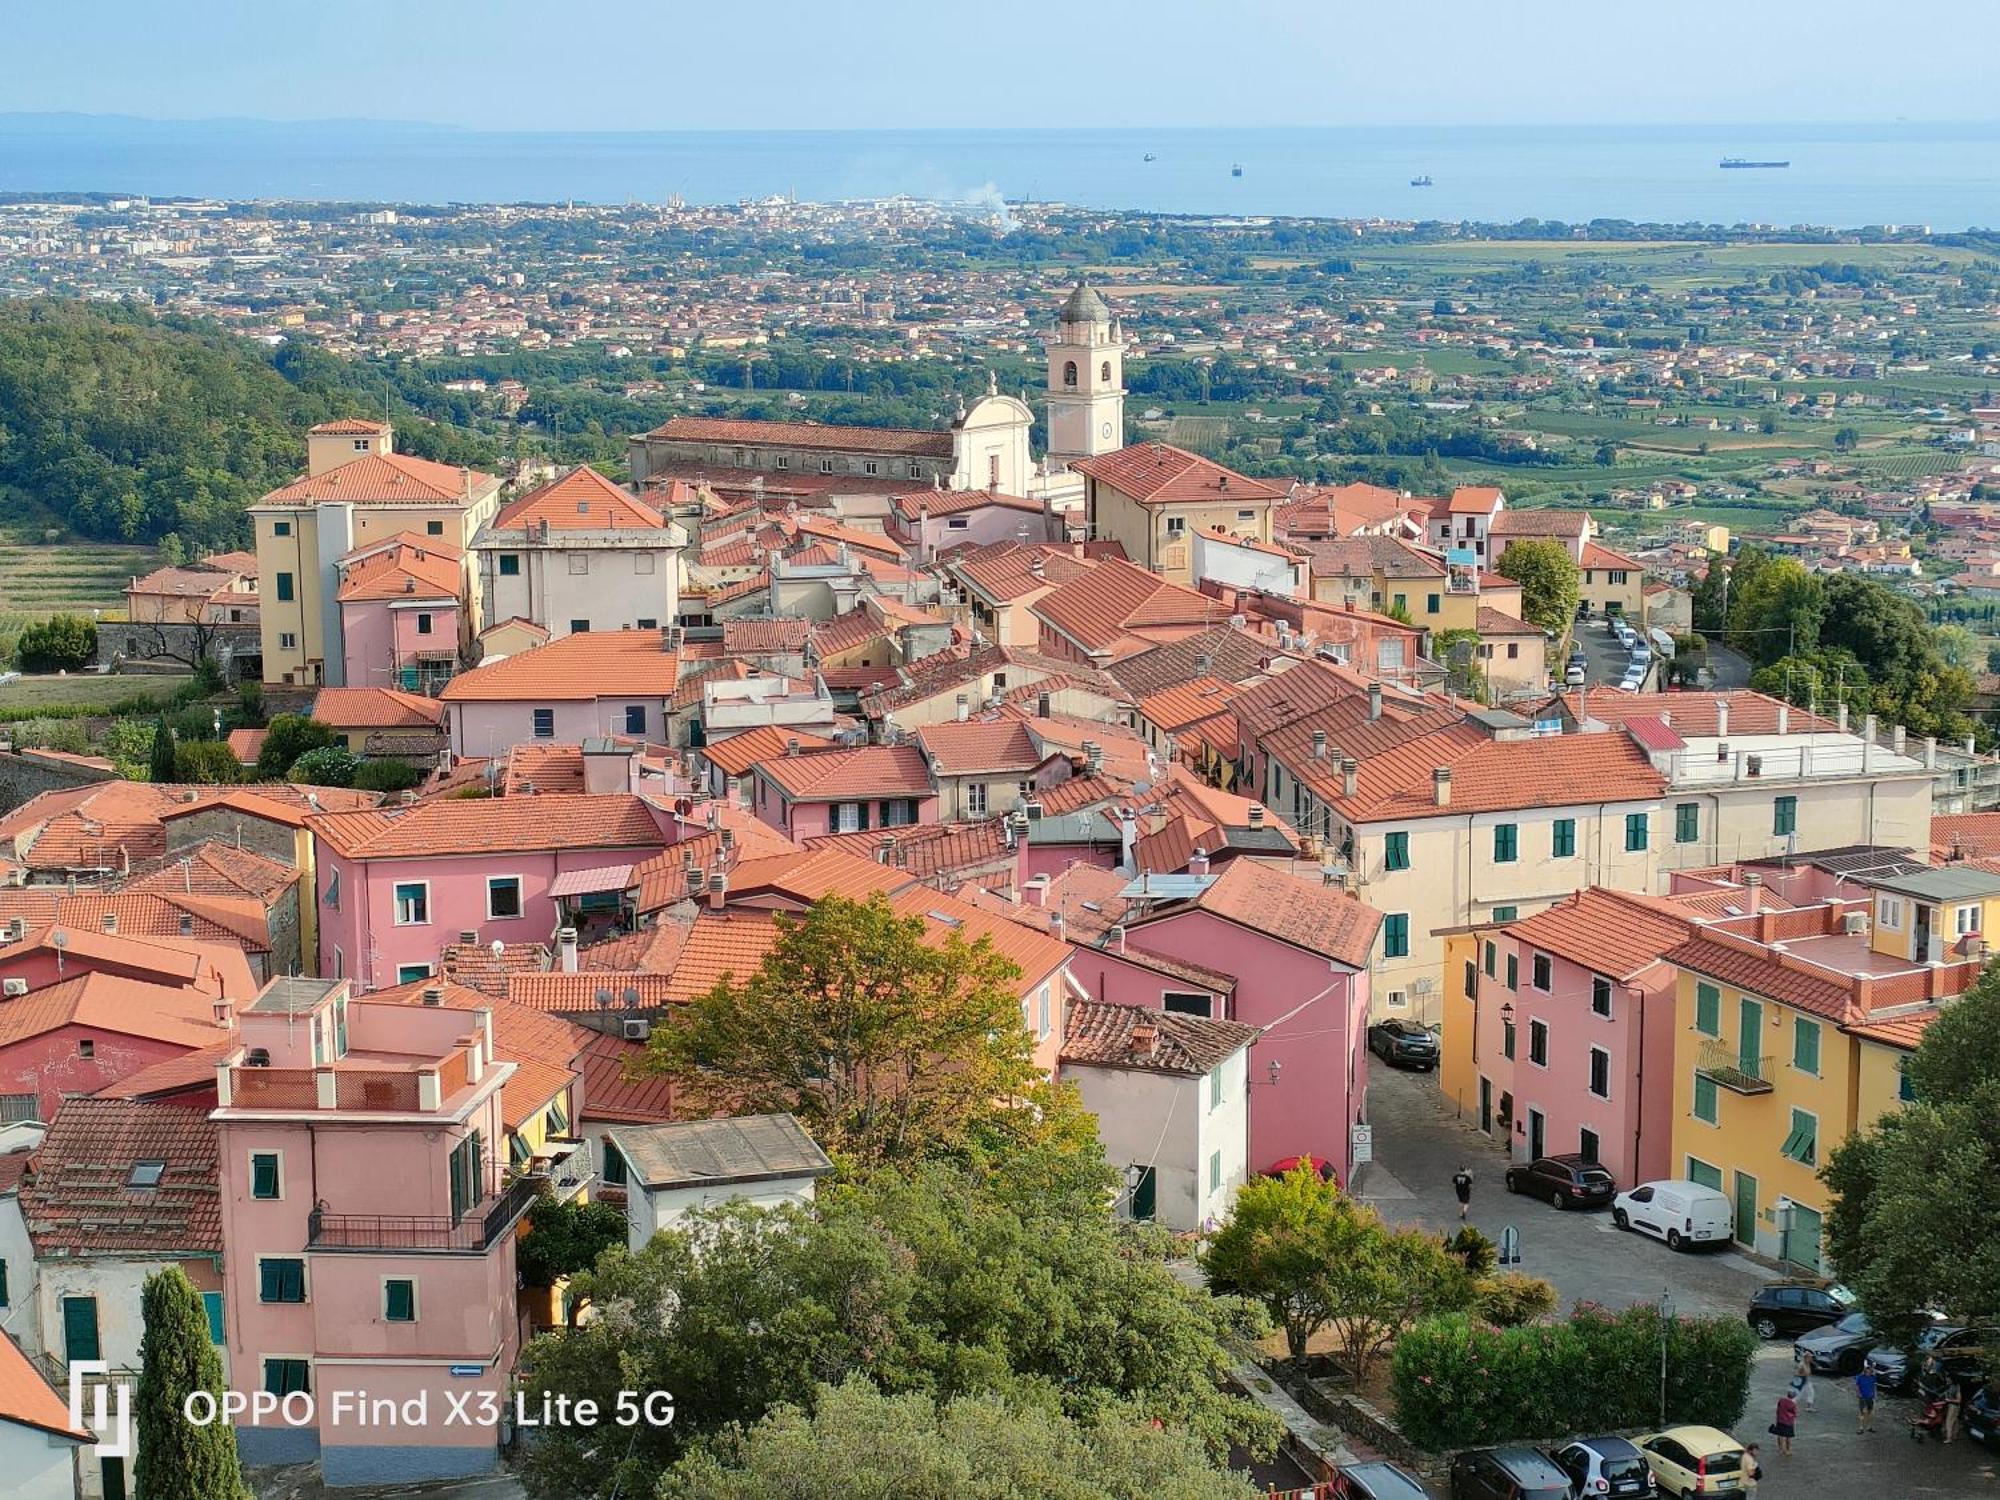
[287,737]
[206,763]
[61,643]
[1915,1222]
[178,1459]
[1708,596]
[565,1238]
[1956,644]
[329,765]
[855,1443]
[887,1046]
[1550,582]
[160,765]
[1775,607]
[1818,679]
[128,745]
[385,776]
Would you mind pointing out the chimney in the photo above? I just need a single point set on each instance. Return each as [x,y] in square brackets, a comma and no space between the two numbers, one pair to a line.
[1441,786]
[1256,815]
[1374,700]
[566,949]
[433,995]
[1753,890]
[884,848]
[1115,938]
[110,921]
[1056,925]
[223,1012]
[718,887]
[1840,717]
[1319,744]
[1784,718]
[1722,718]
[1350,777]
[1145,1038]
[1036,891]
[964,708]
[792,745]
[1198,865]
[1930,752]
[1093,757]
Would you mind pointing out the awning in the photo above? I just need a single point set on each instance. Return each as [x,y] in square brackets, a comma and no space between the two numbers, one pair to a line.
[587,882]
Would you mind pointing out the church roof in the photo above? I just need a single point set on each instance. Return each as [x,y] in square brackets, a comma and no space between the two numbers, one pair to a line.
[1085,306]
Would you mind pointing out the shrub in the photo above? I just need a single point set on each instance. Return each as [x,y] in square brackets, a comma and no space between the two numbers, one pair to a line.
[1472,1246]
[61,643]
[64,734]
[1511,1298]
[329,765]
[128,745]
[385,776]
[193,723]
[1460,1383]
[289,737]
[207,762]
[250,703]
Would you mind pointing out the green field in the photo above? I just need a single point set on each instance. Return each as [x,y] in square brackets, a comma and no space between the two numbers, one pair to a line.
[37,579]
[27,696]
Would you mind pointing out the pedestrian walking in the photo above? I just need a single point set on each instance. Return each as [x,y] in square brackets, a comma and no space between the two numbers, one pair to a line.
[1864,1400]
[1802,1382]
[1461,1184]
[1753,1469]
[1786,1424]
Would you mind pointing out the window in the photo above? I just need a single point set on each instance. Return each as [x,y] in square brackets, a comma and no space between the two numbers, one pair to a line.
[1600,996]
[1176,525]
[1704,1098]
[614,1166]
[399,1300]
[826,466]
[281,1279]
[1889,912]
[211,1303]
[958,523]
[1043,1020]
[281,528]
[1785,815]
[284,588]
[916,470]
[146,1173]
[503,897]
[1542,971]
[899,812]
[1214,1171]
[1538,1043]
[423,622]
[1186,1004]
[1708,1010]
[286,1377]
[635,718]
[266,1177]
[1396,935]
[1491,953]
[1506,1038]
[1600,1072]
[870,466]
[1586,1145]
[544,720]
[1069,372]
[413,903]
[1904,1092]
[1513,972]
[411,973]
[1471,980]
[1805,1045]
[1802,1144]
[86,1048]
[975,798]
[642,562]
[287,641]
[1104,372]
[1432,603]
[646,623]
[1506,913]
[1506,843]
[1562,838]
[433,528]
[1395,851]
[1965,920]
[1215,1087]
[579,627]
[467,1171]
[1635,832]
[1687,822]
[19,1107]
[510,565]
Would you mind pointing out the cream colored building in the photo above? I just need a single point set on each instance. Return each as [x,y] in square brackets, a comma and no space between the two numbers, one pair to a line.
[1086,386]
[357,491]
[1154,499]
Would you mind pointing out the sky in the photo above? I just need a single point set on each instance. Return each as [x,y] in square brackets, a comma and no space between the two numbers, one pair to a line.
[899,64]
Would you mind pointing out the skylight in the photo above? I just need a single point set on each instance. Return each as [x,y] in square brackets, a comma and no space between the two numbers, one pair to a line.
[146,1174]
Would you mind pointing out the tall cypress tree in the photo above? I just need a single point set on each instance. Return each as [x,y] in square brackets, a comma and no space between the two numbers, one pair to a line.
[160,765]
[178,1460]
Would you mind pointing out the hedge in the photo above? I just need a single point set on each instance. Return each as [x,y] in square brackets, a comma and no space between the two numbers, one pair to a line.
[1460,1383]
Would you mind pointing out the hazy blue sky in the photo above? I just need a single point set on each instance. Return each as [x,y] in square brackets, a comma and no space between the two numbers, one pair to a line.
[672,64]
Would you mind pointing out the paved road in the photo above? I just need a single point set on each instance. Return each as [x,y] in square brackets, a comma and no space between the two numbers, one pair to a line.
[1730,669]
[1418,1145]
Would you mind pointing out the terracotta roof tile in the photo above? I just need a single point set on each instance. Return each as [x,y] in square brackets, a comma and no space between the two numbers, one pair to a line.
[961,748]
[910,441]
[28,1400]
[1108,609]
[411,567]
[865,771]
[454,825]
[76,1200]
[376,708]
[1294,909]
[106,1002]
[382,479]
[1616,933]
[588,665]
[1100,1034]
[611,1093]
[737,754]
[1159,474]
[581,500]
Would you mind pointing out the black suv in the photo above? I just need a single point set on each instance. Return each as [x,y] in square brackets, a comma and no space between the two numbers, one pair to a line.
[1839,1348]
[1507,1474]
[1571,1181]
[1404,1044]
[1795,1307]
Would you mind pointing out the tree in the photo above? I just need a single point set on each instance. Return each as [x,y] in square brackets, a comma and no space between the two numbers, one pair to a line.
[565,1238]
[61,643]
[1775,606]
[178,1459]
[329,765]
[128,745]
[1607,455]
[1709,597]
[1956,644]
[385,776]
[206,763]
[855,1443]
[287,738]
[1817,680]
[885,1044]
[160,767]
[1914,1222]
[1550,582]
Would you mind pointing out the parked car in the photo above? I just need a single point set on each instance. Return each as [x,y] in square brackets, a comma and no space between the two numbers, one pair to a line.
[1376,1481]
[1982,1415]
[1797,1307]
[1605,1466]
[1570,1181]
[1959,1349]
[1284,1166]
[1574,674]
[1679,1212]
[1694,1461]
[1404,1044]
[1839,1348]
[1507,1474]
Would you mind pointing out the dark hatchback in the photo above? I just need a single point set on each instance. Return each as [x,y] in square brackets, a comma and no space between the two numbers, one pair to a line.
[1376,1481]
[1508,1474]
[1403,1044]
[1839,1348]
[1571,1181]
[1982,1415]
[1796,1307]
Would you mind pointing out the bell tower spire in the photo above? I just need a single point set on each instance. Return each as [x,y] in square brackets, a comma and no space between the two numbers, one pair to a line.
[1086,386]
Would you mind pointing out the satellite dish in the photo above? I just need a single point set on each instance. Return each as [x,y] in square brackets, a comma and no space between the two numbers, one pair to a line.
[498,947]
[60,939]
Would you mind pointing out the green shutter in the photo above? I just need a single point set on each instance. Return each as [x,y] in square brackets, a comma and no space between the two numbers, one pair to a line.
[1805,1045]
[1513,972]
[1687,822]
[1490,952]
[3,1283]
[211,1303]
[1505,837]
[1635,832]
[1396,936]
[1563,841]
[1396,851]
[1704,1098]
[1785,815]
[1802,1145]
[264,1175]
[399,1301]
[1701,1172]
[1708,1010]
[1506,913]
[79,1317]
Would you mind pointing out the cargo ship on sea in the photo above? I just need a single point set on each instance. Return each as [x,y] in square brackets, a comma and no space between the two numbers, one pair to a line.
[1743,164]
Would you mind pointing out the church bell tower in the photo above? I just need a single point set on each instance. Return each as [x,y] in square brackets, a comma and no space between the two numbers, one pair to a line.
[1086,391]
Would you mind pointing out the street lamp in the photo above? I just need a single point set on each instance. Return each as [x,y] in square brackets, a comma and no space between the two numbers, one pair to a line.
[1666,1322]
[1507,1014]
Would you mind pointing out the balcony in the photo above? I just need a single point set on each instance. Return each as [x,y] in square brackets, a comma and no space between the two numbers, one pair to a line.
[1730,1068]
[472,1234]
[569,1171]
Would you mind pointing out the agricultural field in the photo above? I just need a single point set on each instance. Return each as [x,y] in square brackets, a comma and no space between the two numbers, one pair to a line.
[25,697]
[38,578]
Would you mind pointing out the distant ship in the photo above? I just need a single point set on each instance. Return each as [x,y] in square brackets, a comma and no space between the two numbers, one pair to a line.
[1742,164]
[1151,157]
[1424,181]
[1236,169]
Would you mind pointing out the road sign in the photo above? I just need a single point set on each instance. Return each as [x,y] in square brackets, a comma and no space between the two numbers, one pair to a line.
[1510,1246]
[1362,1143]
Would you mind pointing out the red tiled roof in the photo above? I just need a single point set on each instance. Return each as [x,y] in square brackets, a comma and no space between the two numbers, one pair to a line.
[1115,602]
[581,500]
[28,1400]
[915,442]
[1160,474]
[76,1200]
[962,748]
[865,771]
[376,708]
[189,1078]
[1472,499]
[941,854]
[1099,1034]
[1761,975]
[107,1002]
[1007,570]
[611,1093]
[454,825]
[779,635]
[1188,703]
[1490,621]
[349,427]
[1596,555]
[737,754]
[917,503]
[1294,909]
[410,567]
[1616,933]
[588,665]
[382,479]
[1690,713]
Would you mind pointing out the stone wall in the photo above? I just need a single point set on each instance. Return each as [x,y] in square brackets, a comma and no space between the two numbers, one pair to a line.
[24,775]
[226,825]
[237,649]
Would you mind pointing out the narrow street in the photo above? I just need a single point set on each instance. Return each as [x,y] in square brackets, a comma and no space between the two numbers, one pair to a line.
[1419,1145]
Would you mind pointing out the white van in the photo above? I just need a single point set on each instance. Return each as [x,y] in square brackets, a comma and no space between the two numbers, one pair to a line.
[1681,1213]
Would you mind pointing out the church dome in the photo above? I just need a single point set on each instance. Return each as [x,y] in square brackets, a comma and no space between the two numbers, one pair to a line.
[1085,306]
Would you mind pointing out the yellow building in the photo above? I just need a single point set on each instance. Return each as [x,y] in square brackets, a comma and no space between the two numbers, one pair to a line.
[1791,1031]
[357,491]
[1154,499]
[1612,583]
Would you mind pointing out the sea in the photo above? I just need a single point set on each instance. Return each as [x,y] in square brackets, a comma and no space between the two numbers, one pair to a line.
[1941,177]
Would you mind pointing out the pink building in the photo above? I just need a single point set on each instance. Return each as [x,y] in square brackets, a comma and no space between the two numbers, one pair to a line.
[1576,1053]
[88,1032]
[403,620]
[931,521]
[342,1277]
[583,686]
[845,790]
[397,885]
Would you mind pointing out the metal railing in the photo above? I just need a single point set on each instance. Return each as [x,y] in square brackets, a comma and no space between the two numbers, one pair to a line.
[570,1172]
[1728,1067]
[424,1232]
